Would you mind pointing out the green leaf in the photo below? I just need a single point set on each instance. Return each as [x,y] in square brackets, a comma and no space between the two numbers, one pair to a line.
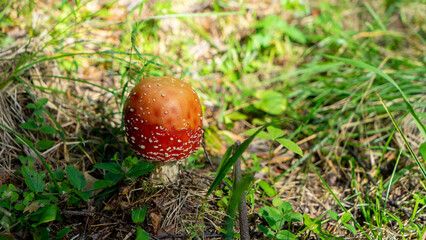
[59,174]
[111,167]
[267,231]
[48,214]
[115,178]
[350,228]
[272,216]
[76,178]
[129,161]
[333,215]
[27,160]
[138,215]
[261,135]
[285,235]
[41,102]
[286,208]
[29,125]
[44,144]
[100,184]
[293,217]
[290,145]
[346,217]
[295,34]
[275,132]
[85,195]
[141,234]
[33,179]
[63,233]
[271,102]
[277,201]
[422,151]
[19,207]
[31,105]
[270,191]
[48,129]
[313,224]
[41,233]
[140,169]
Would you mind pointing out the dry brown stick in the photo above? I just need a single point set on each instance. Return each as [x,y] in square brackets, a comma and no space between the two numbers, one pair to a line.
[244,228]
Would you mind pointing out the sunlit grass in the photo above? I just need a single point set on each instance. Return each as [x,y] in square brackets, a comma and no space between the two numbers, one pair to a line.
[342,75]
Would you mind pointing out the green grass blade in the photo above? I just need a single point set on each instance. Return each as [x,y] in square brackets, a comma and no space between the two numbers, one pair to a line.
[419,164]
[340,203]
[391,179]
[379,72]
[227,163]
[301,160]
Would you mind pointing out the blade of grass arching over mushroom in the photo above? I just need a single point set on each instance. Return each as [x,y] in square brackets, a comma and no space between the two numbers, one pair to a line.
[379,72]
[419,164]
[227,162]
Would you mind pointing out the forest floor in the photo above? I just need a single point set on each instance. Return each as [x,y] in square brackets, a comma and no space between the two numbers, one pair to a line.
[321,69]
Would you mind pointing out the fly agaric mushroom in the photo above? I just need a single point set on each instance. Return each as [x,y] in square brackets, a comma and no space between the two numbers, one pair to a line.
[163,121]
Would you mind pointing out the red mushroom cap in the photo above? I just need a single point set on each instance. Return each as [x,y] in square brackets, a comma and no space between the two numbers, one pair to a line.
[163,119]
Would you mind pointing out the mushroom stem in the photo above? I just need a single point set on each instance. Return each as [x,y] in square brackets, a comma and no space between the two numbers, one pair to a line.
[166,172]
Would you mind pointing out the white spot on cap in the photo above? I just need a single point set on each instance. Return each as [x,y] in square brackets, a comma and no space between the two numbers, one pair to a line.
[136,128]
[141,146]
[163,95]
[131,109]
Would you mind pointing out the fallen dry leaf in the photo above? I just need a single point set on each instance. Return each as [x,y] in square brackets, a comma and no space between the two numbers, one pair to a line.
[156,221]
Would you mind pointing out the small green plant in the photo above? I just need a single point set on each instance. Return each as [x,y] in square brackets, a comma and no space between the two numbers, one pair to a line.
[138,216]
[224,196]
[130,169]
[30,208]
[36,123]
[343,220]
[276,217]
[275,134]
